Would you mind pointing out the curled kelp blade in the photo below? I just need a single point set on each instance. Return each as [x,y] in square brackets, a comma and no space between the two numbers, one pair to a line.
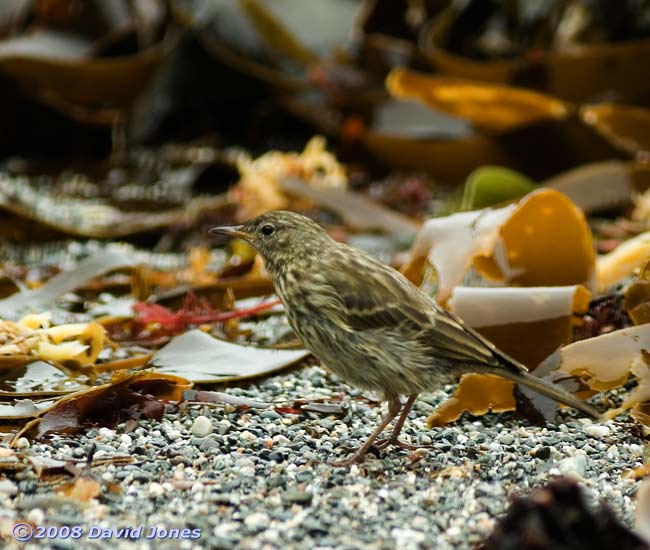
[626,127]
[451,243]
[488,107]
[544,239]
[60,63]
[608,361]
[95,218]
[637,297]
[528,323]
[126,395]
[275,41]
[34,336]
[621,263]
[597,186]
[43,298]
[572,71]
[199,357]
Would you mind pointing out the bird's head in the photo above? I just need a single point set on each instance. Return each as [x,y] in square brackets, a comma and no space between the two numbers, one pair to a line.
[279,236]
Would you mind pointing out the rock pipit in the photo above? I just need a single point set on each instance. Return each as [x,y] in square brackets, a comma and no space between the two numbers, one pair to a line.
[369,324]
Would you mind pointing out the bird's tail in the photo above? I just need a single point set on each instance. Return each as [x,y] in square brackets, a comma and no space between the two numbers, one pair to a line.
[549,390]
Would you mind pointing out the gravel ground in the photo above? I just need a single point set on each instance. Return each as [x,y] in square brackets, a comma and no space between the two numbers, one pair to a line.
[262,480]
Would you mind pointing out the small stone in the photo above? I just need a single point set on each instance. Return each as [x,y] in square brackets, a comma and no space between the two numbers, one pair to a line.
[208,443]
[8,487]
[636,450]
[156,489]
[507,439]
[597,430]
[613,454]
[247,436]
[304,477]
[126,440]
[245,466]
[407,538]
[276,481]
[173,435]
[281,440]
[257,521]
[22,443]
[201,426]
[141,476]
[574,466]
[36,515]
[106,433]
[296,497]
[543,453]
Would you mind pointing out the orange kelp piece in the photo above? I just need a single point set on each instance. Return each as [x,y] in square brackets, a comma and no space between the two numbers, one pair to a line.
[476,394]
[527,323]
[545,242]
[490,107]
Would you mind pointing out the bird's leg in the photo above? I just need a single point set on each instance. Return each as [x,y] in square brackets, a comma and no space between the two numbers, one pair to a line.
[394,406]
[394,436]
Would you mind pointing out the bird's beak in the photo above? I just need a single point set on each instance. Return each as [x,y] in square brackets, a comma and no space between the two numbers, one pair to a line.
[233,231]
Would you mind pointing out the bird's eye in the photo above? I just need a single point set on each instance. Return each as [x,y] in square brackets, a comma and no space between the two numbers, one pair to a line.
[267,230]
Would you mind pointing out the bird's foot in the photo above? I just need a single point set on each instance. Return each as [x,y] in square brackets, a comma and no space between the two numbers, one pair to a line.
[356,457]
[384,443]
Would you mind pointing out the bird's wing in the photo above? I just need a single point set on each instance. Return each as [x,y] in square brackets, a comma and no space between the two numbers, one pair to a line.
[384,299]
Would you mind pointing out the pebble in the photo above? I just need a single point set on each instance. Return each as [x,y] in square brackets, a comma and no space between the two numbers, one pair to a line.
[201,427]
[173,435]
[36,515]
[597,430]
[574,466]
[247,436]
[257,521]
[266,481]
[8,487]
[299,497]
[106,433]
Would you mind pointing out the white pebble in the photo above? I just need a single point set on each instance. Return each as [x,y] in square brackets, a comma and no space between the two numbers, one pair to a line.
[36,516]
[126,440]
[247,436]
[612,453]
[156,489]
[574,466]
[407,538]
[174,435]
[257,521]
[106,433]
[22,443]
[597,430]
[8,487]
[245,466]
[280,440]
[201,427]
[636,450]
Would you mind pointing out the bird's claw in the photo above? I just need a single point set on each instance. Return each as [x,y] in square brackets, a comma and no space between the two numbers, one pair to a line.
[384,443]
[356,457]
[347,462]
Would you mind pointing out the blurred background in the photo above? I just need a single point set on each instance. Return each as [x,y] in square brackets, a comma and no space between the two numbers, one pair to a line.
[144,105]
